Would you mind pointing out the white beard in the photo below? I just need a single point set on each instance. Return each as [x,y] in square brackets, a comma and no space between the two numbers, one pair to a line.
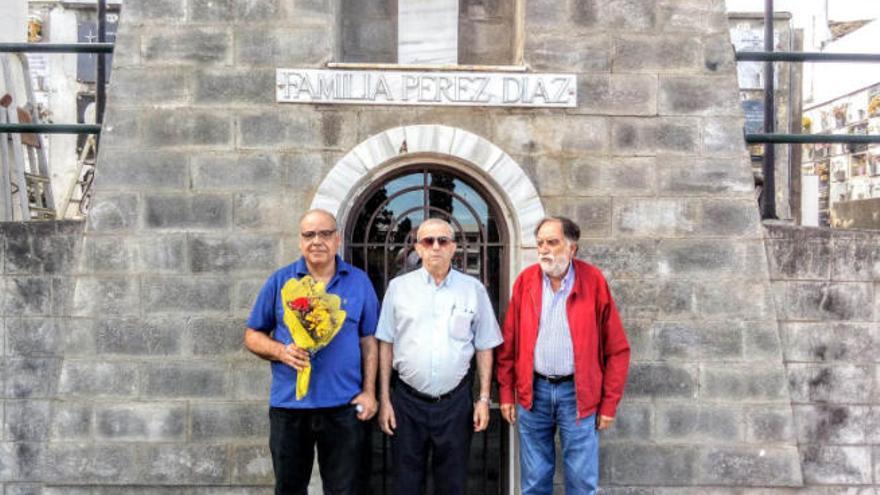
[554,266]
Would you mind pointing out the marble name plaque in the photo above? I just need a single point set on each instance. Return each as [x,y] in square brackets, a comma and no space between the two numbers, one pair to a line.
[373,87]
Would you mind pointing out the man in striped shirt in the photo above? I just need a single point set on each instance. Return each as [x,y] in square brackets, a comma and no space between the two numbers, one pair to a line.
[563,363]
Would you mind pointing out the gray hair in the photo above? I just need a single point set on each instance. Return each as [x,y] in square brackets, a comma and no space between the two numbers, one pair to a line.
[570,230]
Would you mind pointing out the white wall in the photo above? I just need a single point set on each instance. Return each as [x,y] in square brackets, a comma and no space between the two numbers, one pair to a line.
[427,32]
[13,21]
[853,10]
[834,80]
[811,15]
[808,15]
[62,102]
[823,82]
[838,10]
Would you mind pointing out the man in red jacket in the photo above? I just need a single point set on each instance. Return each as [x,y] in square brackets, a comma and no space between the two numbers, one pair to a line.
[564,359]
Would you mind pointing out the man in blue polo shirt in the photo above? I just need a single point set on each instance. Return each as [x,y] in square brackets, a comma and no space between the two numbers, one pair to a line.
[341,394]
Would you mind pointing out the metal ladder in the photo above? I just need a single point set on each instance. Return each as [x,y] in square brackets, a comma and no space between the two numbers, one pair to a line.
[25,185]
[85,174]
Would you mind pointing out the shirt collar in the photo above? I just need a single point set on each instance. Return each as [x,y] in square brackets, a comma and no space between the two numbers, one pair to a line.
[429,279]
[301,269]
[567,281]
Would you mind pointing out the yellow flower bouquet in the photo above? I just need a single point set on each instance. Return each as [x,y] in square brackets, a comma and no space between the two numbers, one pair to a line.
[313,318]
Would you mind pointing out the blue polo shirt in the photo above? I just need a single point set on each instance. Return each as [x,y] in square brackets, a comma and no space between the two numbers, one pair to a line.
[336,369]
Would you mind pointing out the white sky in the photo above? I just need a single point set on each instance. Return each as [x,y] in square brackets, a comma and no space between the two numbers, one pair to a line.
[838,10]
[845,10]
[824,82]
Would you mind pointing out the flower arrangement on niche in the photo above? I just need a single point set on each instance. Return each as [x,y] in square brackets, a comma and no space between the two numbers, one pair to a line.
[874,106]
[840,114]
[807,124]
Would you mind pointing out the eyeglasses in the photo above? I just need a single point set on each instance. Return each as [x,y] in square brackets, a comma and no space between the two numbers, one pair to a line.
[428,242]
[324,235]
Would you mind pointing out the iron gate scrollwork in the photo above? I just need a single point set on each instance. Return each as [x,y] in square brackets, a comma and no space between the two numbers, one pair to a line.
[379,239]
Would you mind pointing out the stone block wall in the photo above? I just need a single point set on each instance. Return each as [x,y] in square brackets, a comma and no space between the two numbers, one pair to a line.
[857,214]
[137,398]
[369,31]
[36,278]
[202,176]
[826,284]
[485,29]
[651,163]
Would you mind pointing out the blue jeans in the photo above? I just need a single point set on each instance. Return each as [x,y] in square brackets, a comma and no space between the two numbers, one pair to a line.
[554,406]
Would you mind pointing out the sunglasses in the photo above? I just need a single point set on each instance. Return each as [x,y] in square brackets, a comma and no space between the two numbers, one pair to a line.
[324,235]
[428,242]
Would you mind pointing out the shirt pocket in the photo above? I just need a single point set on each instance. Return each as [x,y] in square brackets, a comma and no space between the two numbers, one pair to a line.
[460,324]
[353,308]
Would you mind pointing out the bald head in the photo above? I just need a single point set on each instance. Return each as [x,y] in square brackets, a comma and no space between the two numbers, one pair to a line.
[317,212]
[318,241]
[436,247]
[434,222]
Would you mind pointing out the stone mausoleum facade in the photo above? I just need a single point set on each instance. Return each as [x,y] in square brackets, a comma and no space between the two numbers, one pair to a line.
[123,369]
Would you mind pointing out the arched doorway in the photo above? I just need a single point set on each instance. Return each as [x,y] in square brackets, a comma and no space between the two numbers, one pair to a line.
[379,238]
[381,227]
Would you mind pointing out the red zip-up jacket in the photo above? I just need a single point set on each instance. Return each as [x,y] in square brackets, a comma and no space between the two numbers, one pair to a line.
[601,351]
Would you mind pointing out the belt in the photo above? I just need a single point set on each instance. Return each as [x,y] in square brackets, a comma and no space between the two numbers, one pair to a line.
[554,379]
[431,398]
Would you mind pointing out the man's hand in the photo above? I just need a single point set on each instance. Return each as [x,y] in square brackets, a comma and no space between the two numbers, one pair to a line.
[368,405]
[604,422]
[508,412]
[293,356]
[387,423]
[481,415]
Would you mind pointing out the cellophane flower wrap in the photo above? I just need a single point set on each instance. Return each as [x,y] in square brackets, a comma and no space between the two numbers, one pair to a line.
[313,318]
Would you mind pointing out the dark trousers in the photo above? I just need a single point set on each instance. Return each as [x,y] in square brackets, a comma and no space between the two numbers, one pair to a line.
[445,428]
[293,434]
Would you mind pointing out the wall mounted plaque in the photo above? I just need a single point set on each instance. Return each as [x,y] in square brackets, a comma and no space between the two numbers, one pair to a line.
[371,87]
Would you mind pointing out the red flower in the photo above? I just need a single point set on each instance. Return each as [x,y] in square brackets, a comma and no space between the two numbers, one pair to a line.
[299,304]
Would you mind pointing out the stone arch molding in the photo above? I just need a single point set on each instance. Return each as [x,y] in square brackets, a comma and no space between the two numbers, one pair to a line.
[378,154]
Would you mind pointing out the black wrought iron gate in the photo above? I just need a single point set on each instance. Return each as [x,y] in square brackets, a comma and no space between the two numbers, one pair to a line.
[379,239]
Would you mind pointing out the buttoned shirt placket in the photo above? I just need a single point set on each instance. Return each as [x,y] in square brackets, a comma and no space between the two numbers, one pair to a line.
[554,335]
[438,335]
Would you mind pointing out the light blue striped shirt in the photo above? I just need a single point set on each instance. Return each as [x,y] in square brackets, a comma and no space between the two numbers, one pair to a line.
[554,355]
[435,329]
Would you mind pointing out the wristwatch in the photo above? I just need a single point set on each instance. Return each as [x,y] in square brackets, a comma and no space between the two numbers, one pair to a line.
[485,398]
